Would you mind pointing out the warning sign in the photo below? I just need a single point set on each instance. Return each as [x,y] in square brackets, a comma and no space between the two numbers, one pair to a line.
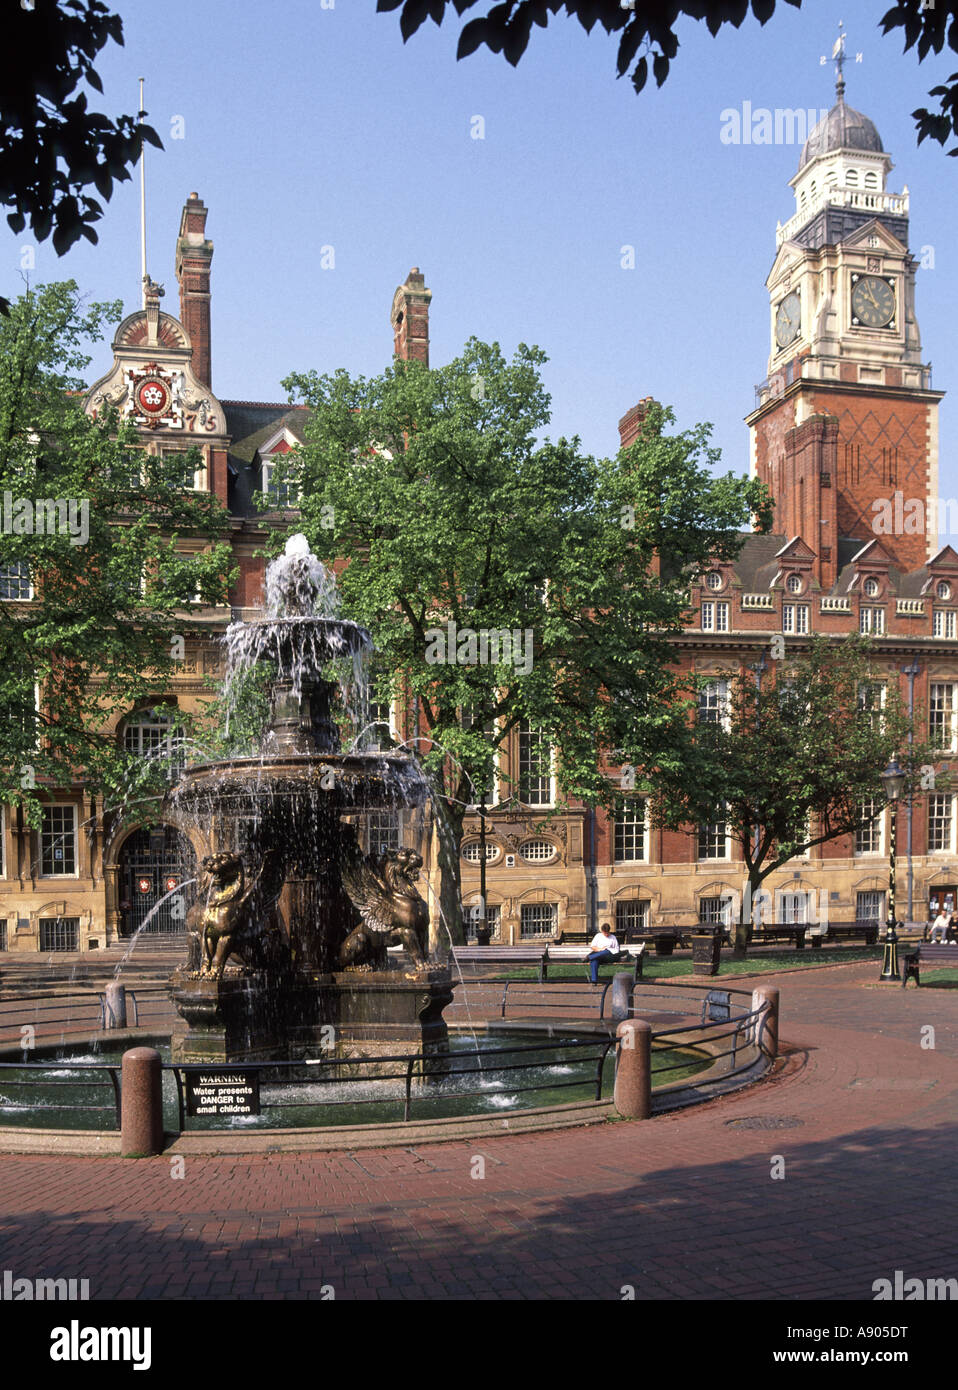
[211,1093]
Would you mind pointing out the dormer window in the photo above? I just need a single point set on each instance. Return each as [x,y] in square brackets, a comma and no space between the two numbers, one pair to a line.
[943,590]
[713,580]
[872,587]
[794,583]
[282,492]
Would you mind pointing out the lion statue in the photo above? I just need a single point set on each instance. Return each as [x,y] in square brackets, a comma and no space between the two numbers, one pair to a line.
[383,890]
[232,917]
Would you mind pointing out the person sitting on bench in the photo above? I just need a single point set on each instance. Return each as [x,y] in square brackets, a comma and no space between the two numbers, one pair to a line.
[604,947]
[939,929]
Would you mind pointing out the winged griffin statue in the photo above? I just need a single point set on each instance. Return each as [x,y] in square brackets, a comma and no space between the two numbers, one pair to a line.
[383,890]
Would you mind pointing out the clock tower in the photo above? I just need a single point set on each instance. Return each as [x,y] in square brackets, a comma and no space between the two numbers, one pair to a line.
[846,418]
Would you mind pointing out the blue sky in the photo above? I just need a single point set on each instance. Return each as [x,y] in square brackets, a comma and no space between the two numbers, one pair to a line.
[307,127]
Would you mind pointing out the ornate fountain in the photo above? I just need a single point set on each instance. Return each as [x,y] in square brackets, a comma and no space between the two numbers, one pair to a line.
[290,930]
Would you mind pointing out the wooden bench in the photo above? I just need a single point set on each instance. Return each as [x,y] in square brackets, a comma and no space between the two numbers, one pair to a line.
[565,951]
[504,955]
[766,932]
[846,931]
[664,941]
[927,955]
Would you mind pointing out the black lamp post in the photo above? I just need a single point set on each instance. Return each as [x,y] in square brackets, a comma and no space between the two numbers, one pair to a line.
[893,779]
[911,671]
[483,932]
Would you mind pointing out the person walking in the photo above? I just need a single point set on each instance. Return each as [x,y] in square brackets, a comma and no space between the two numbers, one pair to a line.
[604,946]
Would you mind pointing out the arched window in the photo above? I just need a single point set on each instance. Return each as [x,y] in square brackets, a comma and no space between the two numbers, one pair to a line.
[153,733]
[851,178]
[871,179]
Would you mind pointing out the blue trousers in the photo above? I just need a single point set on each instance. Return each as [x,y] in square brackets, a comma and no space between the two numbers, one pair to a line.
[596,960]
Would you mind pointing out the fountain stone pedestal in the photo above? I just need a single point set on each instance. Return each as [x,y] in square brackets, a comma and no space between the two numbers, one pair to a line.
[227,1020]
[251,1019]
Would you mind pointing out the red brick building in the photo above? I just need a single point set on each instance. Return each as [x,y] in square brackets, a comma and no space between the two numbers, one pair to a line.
[844,430]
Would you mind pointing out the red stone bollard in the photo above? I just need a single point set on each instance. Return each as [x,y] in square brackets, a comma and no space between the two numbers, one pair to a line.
[141,1103]
[766,1030]
[632,1096]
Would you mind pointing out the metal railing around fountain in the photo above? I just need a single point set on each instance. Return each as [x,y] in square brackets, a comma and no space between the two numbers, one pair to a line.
[578,994]
[720,1017]
[49,1014]
[712,1016]
[28,1078]
[78,1012]
[721,1035]
[424,1067]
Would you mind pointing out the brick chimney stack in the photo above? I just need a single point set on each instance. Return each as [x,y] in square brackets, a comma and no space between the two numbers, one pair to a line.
[193,257]
[409,317]
[631,421]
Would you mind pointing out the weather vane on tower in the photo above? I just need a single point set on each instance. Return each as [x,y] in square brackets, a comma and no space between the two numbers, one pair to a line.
[839,58]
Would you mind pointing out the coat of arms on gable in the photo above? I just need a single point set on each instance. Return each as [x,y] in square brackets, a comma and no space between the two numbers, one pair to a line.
[151,398]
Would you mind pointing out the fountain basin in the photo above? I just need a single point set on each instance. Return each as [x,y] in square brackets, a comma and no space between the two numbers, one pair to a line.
[341,781]
[491,1074]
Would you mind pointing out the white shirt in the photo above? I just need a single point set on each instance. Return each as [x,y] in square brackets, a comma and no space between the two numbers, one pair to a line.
[601,942]
[941,922]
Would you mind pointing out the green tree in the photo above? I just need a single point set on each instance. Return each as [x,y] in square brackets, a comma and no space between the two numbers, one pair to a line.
[648,39]
[434,487]
[52,147]
[790,761]
[94,581]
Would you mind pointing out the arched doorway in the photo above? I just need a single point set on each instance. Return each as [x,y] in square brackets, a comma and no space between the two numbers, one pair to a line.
[153,862]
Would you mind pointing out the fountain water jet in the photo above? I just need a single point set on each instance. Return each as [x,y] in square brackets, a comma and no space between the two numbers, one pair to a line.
[292,920]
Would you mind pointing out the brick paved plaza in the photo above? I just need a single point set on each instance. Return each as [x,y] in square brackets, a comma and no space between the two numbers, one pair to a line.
[682,1206]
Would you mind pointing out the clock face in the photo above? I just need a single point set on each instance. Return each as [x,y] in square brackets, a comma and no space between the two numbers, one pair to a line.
[873,302]
[788,320]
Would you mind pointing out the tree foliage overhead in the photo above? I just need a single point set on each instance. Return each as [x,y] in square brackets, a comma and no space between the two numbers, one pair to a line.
[110,579]
[794,759]
[648,41]
[434,487]
[53,147]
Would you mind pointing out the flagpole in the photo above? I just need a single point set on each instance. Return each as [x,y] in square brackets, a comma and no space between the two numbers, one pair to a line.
[142,205]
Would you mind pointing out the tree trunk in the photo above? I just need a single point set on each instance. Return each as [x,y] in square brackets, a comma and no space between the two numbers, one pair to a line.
[743,928]
[445,921]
